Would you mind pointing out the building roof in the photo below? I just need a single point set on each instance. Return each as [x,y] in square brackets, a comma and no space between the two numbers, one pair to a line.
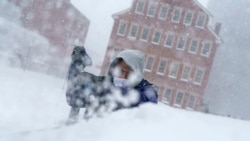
[203,8]
[121,12]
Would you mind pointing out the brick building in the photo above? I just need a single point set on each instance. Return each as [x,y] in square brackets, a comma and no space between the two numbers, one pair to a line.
[59,22]
[178,43]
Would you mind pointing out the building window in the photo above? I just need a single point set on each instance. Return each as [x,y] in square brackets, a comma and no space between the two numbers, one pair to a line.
[199,74]
[152,9]
[206,49]
[114,53]
[145,33]
[181,43]
[163,12]
[201,20]
[122,28]
[133,31]
[193,46]
[140,7]
[156,37]
[179,98]
[149,63]
[188,18]
[169,40]
[157,88]
[174,68]
[162,66]
[167,95]
[191,102]
[176,15]
[186,73]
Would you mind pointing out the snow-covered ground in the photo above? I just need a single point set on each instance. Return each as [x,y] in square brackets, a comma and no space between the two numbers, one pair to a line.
[32,104]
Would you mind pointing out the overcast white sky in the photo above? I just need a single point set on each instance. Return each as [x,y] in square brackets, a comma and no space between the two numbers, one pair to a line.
[99,12]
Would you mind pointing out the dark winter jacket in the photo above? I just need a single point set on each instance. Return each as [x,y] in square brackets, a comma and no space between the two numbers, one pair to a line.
[146,93]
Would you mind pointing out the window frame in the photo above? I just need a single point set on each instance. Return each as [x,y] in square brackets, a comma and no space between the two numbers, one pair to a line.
[203,47]
[125,28]
[114,53]
[160,12]
[166,40]
[157,88]
[194,102]
[130,31]
[159,65]
[149,8]
[146,64]
[202,77]
[142,9]
[191,20]
[167,100]
[148,28]
[173,15]
[152,41]
[177,69]
[204,21]
[188,75]
[182,99]
[184,45]
[190,45]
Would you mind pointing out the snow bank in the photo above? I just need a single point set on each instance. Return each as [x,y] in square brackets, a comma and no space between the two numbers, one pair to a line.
[32,104]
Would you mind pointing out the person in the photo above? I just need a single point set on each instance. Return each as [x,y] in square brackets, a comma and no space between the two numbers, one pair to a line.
[126,72]
[123,86]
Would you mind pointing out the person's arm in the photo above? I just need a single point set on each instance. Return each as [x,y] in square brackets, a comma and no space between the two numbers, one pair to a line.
[149,94]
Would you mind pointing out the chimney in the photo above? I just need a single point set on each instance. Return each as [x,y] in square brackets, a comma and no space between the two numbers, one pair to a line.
[217,28]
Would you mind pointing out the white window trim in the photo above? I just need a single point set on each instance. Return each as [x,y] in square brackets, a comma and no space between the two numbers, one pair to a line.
[169,33]
[159,73]
[163,5]
[143,8]
[189,108]
[113,53]
[179,16]
[130,29]
[145,27]
[120,22]
[169,74]
[149,70]
[188,24]
[203,46]
[164,101]
[186,65]
[202,78]
[152,41]
[157,88]
[177,105]
[198,44]
[156,5]
[196,23]
[184,46]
